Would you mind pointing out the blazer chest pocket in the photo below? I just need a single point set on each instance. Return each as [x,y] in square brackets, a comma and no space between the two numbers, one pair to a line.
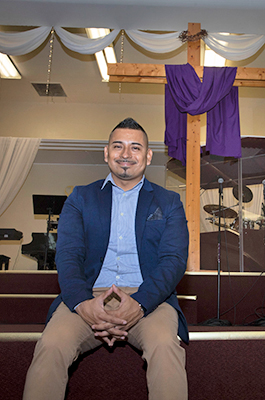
[154,229]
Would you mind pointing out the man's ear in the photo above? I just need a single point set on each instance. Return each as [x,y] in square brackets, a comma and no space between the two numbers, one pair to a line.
[149,156]
[106,154]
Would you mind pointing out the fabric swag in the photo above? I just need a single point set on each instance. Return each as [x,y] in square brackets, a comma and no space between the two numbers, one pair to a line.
[185,93]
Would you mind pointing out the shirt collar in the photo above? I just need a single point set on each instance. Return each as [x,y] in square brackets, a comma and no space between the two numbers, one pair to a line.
[110,179]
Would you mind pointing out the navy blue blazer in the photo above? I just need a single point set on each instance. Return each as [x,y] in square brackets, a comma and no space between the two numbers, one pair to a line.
[161,237]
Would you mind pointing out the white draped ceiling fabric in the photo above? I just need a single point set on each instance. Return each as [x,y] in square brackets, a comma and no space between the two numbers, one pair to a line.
[231,47]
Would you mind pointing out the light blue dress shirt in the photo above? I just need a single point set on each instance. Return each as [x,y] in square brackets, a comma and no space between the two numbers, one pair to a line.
[121,264]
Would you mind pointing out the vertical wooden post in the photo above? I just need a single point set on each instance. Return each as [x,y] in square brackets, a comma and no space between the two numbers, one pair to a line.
[193,165]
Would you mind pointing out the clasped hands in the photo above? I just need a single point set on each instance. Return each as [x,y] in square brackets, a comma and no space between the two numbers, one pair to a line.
[110,325]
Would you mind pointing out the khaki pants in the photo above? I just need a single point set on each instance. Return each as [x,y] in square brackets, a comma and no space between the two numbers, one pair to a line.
[67,335]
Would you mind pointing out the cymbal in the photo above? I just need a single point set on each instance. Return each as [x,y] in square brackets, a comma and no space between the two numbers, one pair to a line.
[226,212]
[247,194]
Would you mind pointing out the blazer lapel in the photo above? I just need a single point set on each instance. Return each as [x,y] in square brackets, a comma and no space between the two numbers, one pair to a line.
[142,212]
[105,205]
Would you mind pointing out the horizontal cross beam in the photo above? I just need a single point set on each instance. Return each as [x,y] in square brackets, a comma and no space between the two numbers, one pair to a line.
[155,73]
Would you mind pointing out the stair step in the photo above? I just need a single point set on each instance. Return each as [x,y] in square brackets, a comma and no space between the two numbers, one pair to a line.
[24,309]
[26,282]
[33,308]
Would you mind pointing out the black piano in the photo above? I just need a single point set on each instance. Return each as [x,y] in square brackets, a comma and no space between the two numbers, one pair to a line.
[37,249]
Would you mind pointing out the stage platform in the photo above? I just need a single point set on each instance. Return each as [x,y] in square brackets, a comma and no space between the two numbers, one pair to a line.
[223,363]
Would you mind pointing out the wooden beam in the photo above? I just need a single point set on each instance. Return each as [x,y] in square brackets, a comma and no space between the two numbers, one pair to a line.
[148,70]
[193,172]
[155,73]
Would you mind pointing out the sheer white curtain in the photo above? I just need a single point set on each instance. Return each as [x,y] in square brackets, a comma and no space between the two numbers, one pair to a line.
[85,45]
[232,47]
[16,158]
[19,43]
[157,43]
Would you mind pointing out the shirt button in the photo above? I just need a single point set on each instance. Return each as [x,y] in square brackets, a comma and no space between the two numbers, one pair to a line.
[117,277]
[120,237]
[122,214]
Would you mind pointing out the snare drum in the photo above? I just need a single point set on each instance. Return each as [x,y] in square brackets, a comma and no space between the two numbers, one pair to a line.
[247,224]
[249,219]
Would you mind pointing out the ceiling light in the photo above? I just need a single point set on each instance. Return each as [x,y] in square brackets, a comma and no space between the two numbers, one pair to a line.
[7,68]
[102,57]
[212,59]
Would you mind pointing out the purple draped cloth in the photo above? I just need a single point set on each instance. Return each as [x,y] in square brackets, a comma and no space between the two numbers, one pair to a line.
[216,95]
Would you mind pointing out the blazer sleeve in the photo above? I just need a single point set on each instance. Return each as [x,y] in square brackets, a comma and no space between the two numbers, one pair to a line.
[70,252]
[163,254]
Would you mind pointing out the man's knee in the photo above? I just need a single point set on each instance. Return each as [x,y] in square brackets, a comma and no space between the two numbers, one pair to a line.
[60,346]
[164,341]
[161,341]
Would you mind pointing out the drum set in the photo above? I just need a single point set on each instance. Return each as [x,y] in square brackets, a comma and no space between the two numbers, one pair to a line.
[249,220]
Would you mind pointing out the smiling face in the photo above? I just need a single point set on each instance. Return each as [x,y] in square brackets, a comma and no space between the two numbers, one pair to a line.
[127,155]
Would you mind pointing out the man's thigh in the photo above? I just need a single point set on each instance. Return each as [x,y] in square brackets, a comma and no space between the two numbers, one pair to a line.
[70,330]
[160,326]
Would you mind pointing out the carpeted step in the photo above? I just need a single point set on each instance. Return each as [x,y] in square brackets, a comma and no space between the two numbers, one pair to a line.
[29,282]
[33,308]
[24,309]
[25,297]
[222,369]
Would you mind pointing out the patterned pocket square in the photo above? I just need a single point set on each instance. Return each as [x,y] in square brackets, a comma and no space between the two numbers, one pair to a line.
[157,215]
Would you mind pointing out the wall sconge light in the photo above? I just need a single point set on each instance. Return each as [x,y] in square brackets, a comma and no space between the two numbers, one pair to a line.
[212,59]
[105,56]
[7,68]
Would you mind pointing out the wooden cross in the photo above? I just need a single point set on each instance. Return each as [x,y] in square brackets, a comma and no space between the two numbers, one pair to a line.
[155,73]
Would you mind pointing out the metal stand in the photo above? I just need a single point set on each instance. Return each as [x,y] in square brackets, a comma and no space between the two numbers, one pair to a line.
[220,181]
[217,321]
[45,265]
[263,204]
[51,205]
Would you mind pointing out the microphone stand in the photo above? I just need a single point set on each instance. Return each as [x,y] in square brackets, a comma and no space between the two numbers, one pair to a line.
[220,181]
[263,204]
[45,264]
[217,321]
[263,211]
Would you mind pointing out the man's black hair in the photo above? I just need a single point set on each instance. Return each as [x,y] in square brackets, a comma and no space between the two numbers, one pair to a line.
[130,123]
